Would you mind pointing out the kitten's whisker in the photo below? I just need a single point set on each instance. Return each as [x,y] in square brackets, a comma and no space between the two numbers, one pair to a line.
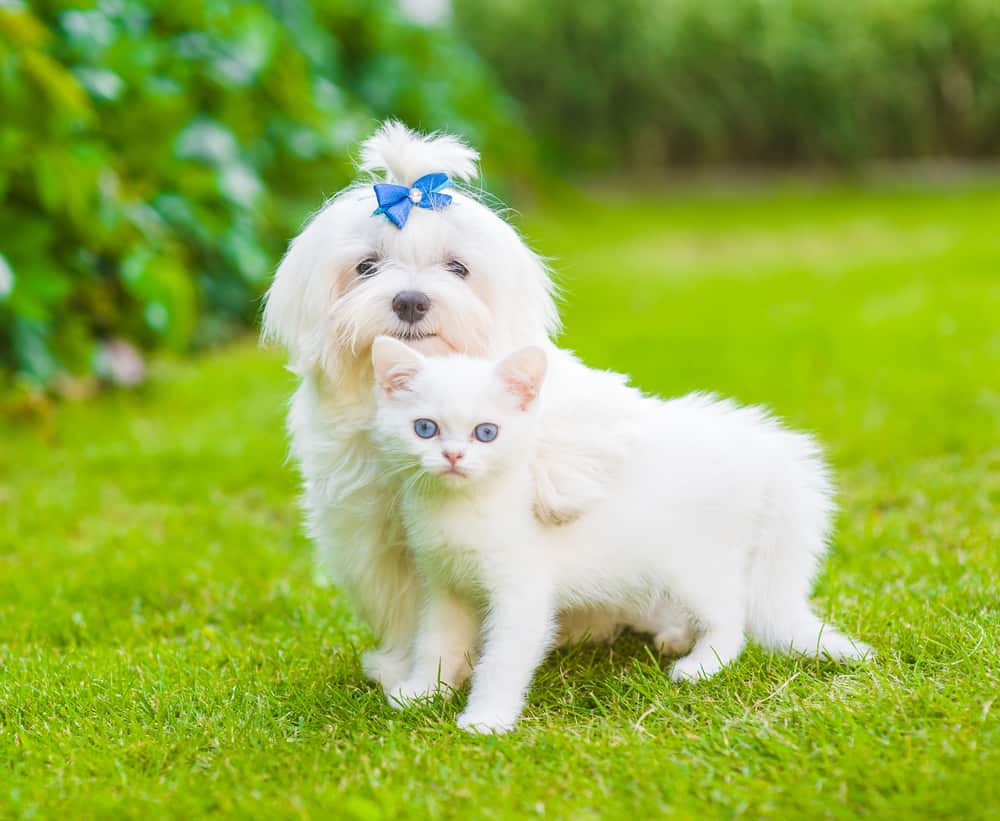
[406,485]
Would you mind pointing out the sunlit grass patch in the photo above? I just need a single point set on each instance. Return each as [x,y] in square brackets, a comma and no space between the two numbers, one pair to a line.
[164,649]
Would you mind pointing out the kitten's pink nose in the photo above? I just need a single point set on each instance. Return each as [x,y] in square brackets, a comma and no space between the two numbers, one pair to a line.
[452,456]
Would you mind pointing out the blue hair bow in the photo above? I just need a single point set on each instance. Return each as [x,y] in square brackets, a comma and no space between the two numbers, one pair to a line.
[396,201]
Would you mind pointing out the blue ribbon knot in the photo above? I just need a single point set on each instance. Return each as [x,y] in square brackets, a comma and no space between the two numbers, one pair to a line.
[396,201]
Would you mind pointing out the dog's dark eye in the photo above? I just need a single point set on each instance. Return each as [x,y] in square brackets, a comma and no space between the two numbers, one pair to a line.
[457,268]
[367,267]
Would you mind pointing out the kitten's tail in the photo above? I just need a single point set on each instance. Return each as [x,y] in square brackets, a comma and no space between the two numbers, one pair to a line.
[792,542]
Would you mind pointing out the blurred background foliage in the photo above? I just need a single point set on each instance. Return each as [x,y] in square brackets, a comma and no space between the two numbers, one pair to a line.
[633,83]
[156,157]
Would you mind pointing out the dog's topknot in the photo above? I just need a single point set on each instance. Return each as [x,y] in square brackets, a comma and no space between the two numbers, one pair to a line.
[405,155]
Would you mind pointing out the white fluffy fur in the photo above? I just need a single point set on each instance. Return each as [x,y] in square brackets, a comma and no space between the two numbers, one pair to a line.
[327,318]
[404,157]
[714,509]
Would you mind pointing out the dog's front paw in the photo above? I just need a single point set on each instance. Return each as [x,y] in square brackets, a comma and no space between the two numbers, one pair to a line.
[385,667]
[695,668]
[487,721]
[408,693]
[675,640]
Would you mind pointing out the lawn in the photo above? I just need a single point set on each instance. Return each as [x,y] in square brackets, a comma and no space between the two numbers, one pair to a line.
[165,650]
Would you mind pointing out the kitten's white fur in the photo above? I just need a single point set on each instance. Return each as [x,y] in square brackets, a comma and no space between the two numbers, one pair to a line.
[327,317]
[714,507]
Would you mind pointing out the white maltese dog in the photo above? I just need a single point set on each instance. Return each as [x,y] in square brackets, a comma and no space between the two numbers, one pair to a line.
[407,255]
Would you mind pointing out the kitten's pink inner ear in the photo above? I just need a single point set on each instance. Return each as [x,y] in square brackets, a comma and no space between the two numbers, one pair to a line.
[398,378]
[395,364]
[525,391]
[522,374]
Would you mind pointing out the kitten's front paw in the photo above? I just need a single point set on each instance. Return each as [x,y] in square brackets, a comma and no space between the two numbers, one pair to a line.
[486,722]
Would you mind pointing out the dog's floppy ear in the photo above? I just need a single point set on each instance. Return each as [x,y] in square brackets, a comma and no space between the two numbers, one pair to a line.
[395,364]
[522,373]
[299,297]
[405,155]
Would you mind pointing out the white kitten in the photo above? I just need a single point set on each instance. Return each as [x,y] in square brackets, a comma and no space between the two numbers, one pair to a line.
[717,507]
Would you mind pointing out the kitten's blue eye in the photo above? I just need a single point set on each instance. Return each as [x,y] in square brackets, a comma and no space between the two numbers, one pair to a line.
[486,432]
[426,428]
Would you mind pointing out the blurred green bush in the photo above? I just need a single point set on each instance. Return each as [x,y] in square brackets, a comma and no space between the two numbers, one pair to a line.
[155,157]
[631,83]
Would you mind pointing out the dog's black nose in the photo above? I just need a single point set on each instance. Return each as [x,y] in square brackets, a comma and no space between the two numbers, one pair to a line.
[411,306]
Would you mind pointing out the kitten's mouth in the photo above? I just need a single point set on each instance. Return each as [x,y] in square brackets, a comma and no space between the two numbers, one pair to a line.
[453,471]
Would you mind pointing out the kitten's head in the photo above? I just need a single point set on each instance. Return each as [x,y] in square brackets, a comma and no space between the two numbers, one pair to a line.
[456,418]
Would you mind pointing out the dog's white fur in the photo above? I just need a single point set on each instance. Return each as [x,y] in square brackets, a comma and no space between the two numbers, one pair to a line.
[327,317]
[715,507]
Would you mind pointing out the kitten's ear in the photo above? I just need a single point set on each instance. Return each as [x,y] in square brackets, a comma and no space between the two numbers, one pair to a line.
[522,373]
[395,364]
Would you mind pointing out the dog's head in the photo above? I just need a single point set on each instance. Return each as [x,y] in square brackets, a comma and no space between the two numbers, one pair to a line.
[457,278]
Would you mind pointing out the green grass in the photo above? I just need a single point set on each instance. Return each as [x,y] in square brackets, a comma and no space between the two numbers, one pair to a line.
[164,650]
